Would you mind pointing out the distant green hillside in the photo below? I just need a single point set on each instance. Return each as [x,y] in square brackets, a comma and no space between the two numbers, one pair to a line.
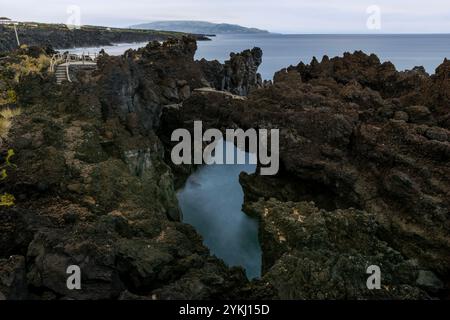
[59,36]
[197,27]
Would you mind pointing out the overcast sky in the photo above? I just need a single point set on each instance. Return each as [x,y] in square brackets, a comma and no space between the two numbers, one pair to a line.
[285,16]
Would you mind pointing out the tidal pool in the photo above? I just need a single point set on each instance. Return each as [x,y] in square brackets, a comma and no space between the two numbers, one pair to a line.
[211,201]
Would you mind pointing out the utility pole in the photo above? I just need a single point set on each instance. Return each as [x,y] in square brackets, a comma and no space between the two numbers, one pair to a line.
[17,35]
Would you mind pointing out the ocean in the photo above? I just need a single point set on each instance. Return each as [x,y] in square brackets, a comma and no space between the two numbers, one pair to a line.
[280,51]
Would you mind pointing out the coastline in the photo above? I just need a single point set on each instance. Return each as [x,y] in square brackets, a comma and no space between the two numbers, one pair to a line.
[59,36]
[364,179]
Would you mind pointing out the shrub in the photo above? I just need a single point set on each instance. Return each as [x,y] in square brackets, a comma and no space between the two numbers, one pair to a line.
[6,199]
[6,116]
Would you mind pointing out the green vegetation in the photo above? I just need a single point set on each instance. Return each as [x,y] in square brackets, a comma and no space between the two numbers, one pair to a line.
[6,199]
[63,27]
[6,116]
[11,96]
[8,97]
[28,65]
[14,67]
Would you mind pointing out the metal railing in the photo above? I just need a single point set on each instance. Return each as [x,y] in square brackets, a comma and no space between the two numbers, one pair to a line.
[70,58]
[56,59]
[60,58]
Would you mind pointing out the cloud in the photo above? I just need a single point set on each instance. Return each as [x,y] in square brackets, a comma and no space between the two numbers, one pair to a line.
[295,16]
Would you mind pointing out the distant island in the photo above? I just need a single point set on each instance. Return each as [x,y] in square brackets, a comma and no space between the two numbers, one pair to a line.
[198,27]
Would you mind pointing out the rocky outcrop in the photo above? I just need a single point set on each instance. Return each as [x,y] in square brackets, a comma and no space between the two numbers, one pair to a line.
[407,88]
[362,141]
[239,75]
[138,84]
[364,154]
[13,285]
[317,254]
[348,141]
[93,189]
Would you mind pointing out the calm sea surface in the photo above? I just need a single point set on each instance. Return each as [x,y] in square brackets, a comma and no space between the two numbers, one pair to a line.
[211,201]
[280,51]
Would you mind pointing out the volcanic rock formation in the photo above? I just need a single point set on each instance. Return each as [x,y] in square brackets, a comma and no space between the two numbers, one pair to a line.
[364,177]
[370,147]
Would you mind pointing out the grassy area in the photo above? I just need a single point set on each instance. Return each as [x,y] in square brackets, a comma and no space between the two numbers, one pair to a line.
[30,65]
[8,97]
[12,69]
[6,116]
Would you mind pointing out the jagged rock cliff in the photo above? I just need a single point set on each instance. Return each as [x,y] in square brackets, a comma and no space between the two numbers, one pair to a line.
[364,154]
[370,147]
[239,75]
[93,188]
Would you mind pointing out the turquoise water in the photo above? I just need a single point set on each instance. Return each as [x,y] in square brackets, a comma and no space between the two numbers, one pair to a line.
[211,201]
